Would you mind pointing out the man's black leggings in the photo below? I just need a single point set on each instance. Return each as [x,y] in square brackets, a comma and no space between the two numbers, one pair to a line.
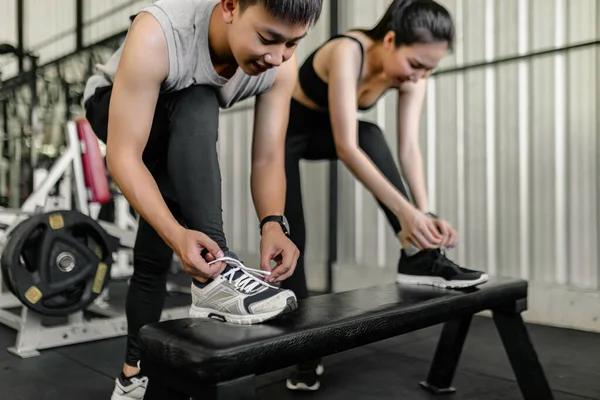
[309,137]
[181,155]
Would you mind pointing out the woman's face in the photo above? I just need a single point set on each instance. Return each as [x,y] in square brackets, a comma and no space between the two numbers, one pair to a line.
[412,62]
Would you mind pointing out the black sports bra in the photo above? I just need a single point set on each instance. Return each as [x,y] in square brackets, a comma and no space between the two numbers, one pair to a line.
[313,86]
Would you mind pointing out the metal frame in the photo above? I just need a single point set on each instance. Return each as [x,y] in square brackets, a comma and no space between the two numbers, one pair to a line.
[79,24]
[20,5]
[32,335]
[333,174]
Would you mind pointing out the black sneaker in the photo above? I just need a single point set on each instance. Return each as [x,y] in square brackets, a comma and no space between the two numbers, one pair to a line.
[432,267]
[306,376]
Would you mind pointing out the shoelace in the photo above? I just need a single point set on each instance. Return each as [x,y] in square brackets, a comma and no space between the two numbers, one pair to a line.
[448,261]
[249,280]
[440,261]
[143,380]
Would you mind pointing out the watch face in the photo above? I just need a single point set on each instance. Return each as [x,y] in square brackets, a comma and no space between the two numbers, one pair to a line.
[286,224]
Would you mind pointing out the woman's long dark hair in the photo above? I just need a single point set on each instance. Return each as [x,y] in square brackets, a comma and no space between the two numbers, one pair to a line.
[415,21]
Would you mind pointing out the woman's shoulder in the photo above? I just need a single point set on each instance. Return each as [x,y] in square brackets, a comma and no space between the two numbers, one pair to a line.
[352,42]
[347,47]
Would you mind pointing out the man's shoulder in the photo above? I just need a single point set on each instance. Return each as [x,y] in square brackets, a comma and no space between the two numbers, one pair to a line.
[182,13]
[181,4]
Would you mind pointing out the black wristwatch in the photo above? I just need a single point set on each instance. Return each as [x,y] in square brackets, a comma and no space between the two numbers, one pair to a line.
[432,215]
[280,219]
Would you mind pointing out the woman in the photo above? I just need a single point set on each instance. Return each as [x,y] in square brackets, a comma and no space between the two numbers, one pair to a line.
[351,72]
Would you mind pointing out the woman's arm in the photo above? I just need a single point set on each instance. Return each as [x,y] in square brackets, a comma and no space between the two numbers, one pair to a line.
[410,104]
[344,68]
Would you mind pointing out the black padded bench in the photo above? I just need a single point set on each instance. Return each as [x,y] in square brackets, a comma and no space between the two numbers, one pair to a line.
[207,359]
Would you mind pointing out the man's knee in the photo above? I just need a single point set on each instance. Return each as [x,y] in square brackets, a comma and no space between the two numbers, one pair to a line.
[194,112]
[96,112]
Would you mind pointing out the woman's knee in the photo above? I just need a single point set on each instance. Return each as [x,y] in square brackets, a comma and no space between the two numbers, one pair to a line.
[370,135]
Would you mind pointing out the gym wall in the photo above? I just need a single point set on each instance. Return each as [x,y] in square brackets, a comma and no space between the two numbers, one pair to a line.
[509,148]
[49,26]
[510,154]
[50,33]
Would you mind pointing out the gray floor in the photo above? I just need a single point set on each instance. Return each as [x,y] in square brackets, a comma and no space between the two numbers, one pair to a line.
[388,369]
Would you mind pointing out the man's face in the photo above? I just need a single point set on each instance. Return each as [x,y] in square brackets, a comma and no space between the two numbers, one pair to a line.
[260,41]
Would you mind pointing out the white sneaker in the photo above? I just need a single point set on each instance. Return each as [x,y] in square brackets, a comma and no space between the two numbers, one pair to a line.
[240,296]
[133,388]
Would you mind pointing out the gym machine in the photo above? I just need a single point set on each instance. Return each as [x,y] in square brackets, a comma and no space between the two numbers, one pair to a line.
[76,280]
[41,104]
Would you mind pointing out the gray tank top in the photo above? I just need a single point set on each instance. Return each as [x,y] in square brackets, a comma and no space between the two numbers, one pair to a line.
[185,24]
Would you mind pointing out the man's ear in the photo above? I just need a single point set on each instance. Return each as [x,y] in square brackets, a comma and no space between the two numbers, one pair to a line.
[228,7]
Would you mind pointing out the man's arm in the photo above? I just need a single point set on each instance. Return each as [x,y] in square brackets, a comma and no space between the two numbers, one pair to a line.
[268,171]
[410,104]
[143,67]
[268,145]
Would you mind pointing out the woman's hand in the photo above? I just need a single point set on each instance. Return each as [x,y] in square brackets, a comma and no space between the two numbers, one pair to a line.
[450,236]
[420,231]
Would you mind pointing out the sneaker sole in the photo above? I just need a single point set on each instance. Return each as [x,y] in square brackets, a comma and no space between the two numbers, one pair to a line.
[439,282]
[116,396]
[250,319]
[302,386]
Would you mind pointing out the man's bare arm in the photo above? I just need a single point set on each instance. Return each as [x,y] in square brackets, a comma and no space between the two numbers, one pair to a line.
[143,67]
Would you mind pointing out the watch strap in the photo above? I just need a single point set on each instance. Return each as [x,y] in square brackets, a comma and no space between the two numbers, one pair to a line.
[274,218]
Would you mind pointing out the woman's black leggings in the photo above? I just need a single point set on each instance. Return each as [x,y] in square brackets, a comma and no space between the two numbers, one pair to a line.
[309,137]
[181,155]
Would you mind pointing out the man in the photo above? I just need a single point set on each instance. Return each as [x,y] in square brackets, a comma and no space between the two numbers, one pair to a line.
[155,104]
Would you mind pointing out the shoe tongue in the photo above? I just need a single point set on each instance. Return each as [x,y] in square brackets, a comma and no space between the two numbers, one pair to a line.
[442,259]
[237,274]
[241,274]
[231,254]
[435,253]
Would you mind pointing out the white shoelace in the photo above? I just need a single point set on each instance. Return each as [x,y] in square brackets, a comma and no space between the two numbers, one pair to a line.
[249,280]
[142,381]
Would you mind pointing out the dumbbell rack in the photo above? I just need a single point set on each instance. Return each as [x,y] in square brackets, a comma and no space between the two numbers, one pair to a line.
[32,335]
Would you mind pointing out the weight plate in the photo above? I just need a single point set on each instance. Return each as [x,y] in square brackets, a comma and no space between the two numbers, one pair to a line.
[5,270]
[57,263]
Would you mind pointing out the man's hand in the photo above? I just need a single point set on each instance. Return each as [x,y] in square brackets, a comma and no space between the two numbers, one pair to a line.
[189,246]
[275,245]
[450,236]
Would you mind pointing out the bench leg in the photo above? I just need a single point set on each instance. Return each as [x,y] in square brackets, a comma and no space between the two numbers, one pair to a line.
[523,357]
[239,389]
[447,354]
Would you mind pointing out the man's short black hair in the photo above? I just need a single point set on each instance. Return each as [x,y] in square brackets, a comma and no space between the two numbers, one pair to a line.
[292,11]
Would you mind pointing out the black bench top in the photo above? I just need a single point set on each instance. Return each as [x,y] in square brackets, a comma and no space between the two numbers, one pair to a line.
[212,351]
